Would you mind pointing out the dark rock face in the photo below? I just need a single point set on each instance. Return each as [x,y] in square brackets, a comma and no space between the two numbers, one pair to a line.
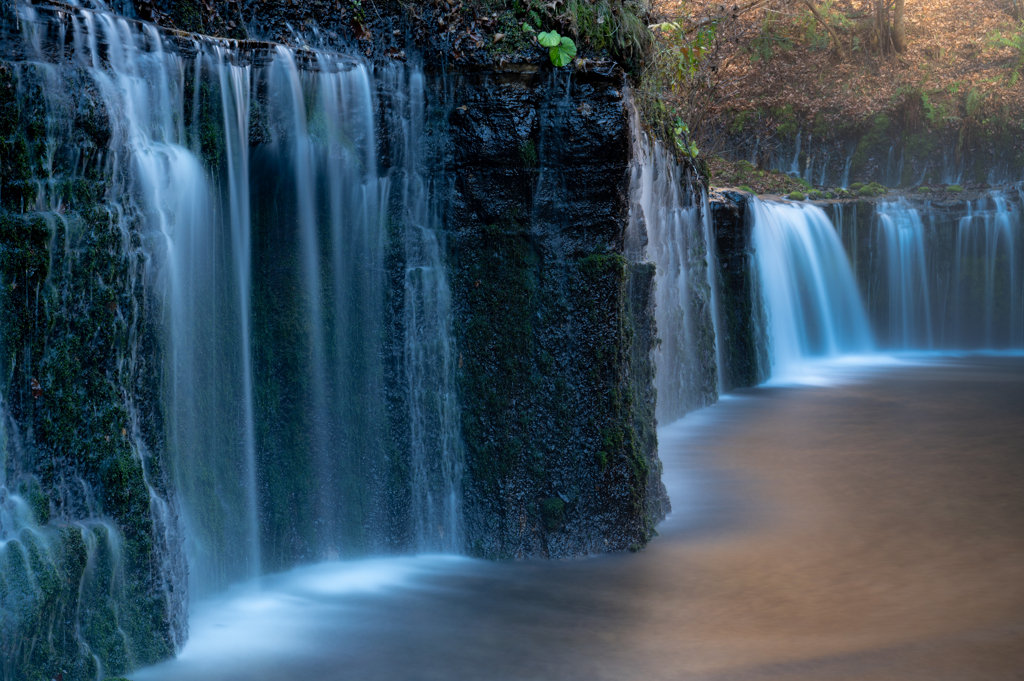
[744,349]
[554,325]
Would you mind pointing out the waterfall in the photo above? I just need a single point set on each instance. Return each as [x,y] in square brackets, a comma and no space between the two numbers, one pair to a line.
[235,85]
[429,349]
[811,299]
[65,545]
[670,222]
[262,212]
[711,262]
[901,239]
[946,281]
[989,294]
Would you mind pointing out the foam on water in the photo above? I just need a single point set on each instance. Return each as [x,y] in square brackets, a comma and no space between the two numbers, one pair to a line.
[278,617]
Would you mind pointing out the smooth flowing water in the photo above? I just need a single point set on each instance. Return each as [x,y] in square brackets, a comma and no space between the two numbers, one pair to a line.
[813,306]
[670,225]
[848,531]
[949,280]
[281,435]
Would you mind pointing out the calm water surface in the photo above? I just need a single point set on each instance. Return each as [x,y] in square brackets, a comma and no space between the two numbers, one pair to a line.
[867,527]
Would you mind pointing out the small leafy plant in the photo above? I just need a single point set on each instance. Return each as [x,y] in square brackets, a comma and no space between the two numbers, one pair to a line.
[562,49]
[683,143]
[1015,41]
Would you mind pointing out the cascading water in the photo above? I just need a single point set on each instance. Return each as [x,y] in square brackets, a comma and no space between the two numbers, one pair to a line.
[810,295]
[235,90]
[260,215]
[67,549]
[988,266]
[676,224]
[944,281]
[429,353]
[901,239]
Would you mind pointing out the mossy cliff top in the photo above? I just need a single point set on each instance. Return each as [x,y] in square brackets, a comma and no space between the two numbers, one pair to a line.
[446,33]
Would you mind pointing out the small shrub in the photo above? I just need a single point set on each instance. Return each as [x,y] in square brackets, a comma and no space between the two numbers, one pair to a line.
[1015,41]
[553,511]
[528,154]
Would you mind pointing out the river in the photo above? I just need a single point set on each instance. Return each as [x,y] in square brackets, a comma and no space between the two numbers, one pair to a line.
[869,526]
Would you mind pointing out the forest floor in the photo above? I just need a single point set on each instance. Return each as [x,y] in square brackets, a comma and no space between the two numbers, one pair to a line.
[771,59]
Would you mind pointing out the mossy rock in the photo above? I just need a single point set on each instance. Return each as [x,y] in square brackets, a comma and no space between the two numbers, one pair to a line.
[856,186]
[796,196]
[878,188]
[954,188]
[815,195]
[867,192]
[924,190]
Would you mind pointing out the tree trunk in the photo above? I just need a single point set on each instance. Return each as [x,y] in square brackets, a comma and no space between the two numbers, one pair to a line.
[882,36]
[828,27]
[899,31]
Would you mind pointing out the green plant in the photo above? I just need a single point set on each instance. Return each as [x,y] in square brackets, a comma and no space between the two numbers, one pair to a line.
[553,511]
[684,144]
[817,36]
[528,154]
[562,49]
[796,196]
[681,53]
[973,102]
[954,188]
[1015,41]
[763,46]
[357,11]
[614,25]
[742,120]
